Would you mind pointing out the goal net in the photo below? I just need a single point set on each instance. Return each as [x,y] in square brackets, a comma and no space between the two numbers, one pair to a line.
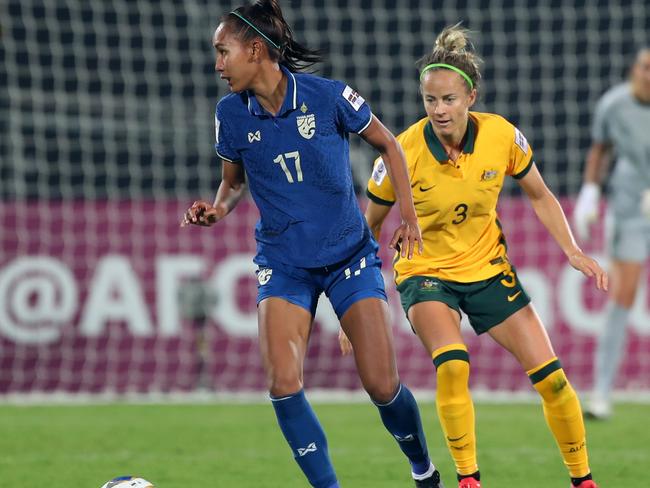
[106,116]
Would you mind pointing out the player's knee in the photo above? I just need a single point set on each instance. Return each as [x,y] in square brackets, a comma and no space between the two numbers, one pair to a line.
[284,384]
[623,298]
[623,292]
[452,371]
[382,390]
[551,382]
[453,381]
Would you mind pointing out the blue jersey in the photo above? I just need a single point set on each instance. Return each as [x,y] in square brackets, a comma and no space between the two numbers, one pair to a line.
[298,169]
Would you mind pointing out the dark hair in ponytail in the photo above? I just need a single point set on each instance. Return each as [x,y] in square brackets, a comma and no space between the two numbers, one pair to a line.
[267,19]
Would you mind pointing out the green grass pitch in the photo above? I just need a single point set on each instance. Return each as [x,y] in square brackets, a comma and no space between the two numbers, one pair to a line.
[240,446]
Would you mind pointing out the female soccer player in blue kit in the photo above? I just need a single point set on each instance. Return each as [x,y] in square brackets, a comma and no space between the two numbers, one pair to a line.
[285,133]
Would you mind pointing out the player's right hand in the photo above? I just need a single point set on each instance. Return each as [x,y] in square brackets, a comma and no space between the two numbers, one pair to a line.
[590,268]
[200,213]
[585,212]
[407,238]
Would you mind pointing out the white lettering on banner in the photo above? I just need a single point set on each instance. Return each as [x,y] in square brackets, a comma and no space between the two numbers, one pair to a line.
[38,295]
[170,270]
[115,294]
[39,298]
[572,303]
[227,311]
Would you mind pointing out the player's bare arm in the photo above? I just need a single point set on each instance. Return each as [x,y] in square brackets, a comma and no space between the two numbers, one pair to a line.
[375,216]
[598,159]
[231,190]
[379,137]
[550,213]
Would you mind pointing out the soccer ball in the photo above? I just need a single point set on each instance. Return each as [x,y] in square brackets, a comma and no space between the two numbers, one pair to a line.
[128,482]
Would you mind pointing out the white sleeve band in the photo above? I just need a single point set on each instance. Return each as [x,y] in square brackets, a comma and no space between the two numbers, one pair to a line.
[367,124]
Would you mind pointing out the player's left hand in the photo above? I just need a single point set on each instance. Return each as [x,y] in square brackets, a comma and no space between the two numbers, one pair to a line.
[344,343]
[200,213]
[590,268]
[407,237]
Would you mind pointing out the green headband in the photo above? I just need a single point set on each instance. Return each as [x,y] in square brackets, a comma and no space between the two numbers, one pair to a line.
[448,66]
[256,29]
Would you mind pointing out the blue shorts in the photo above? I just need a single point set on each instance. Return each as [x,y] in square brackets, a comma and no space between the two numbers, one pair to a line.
[344,283]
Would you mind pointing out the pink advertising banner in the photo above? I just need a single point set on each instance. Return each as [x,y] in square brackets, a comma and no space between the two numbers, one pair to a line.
[115,296]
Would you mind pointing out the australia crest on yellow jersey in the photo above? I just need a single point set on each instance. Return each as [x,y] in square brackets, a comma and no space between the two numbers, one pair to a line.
[489,174]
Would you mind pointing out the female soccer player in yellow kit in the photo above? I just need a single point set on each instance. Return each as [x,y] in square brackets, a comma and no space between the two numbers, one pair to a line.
[457,162]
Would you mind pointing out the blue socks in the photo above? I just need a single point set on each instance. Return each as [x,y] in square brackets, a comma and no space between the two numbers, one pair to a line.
[402,419]
[306,437]
[307,441]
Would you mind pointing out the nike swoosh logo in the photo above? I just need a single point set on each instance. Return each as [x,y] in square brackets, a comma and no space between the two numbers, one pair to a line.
[512,297]
[460,448]
[426,189]
[457,438]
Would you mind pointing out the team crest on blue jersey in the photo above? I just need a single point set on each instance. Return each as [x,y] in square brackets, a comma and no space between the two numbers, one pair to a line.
[306,125]
[264,276]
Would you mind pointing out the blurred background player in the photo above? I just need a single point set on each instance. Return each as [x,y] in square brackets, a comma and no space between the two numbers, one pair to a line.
[457,162]
[286,134]
[621,126]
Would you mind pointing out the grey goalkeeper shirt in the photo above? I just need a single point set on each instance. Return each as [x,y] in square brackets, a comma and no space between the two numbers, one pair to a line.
[622,121]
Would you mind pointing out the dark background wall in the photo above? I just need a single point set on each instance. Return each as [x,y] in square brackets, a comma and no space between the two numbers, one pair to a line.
[115,98]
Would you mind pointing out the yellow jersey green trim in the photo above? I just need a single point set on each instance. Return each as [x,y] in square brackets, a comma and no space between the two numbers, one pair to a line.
[524,171]
[436,148]
[377,200]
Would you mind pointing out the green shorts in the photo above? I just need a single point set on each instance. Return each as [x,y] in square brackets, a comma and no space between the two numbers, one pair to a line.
[487,303]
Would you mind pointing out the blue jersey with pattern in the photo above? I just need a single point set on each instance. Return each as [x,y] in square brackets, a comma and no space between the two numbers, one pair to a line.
[298,170]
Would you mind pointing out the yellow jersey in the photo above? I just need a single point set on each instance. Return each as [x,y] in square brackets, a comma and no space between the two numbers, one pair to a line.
[456,201]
